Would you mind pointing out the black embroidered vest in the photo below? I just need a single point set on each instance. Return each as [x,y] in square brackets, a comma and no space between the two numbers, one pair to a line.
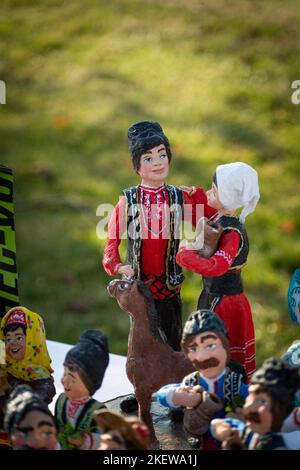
[174,274]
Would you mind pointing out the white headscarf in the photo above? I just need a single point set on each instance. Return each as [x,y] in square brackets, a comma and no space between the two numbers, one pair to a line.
[238,187]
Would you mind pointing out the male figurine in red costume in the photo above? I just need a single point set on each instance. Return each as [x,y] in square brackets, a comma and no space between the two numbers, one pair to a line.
[151,214]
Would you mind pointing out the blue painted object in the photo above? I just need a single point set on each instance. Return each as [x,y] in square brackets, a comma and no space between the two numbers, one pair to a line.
[294,297]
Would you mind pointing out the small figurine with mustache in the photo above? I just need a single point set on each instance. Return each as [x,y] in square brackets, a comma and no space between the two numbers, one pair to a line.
[28,422]
[213,388]
[270,401]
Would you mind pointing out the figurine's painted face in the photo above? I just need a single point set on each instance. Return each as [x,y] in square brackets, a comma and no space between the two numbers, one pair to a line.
[207,353]
[73,385]
[35,432]
[213,198]
[15,344]
[258,410]
[154,166]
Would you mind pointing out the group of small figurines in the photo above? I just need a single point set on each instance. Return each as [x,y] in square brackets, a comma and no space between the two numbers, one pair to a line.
[205,372]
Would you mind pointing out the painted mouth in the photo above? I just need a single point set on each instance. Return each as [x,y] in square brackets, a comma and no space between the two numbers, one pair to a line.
[15,350]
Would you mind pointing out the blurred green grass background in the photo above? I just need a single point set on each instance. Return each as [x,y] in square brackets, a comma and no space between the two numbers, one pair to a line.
[216,74]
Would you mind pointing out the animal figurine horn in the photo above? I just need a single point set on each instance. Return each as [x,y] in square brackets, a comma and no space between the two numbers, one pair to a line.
[151,362]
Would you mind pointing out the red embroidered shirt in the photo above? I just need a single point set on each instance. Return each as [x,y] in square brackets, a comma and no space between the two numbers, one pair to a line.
[155,226]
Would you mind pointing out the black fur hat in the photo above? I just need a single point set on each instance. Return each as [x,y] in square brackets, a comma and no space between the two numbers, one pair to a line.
[201,321]
[143,136]
[278,379]
[21,401]
[89,358]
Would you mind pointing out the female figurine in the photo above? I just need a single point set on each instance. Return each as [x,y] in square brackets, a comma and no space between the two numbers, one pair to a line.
[27,361]
[235,185]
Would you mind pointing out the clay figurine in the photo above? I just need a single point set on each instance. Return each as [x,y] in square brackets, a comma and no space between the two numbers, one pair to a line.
[270,401]
[292,358]
[151,362]
[29,422]
[213,389]
[234,185]
[27,358]
[84,368]
[151,214]
[120,433]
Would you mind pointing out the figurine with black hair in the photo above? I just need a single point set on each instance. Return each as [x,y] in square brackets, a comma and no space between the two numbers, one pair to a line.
[150,213]
[27,360]
[213,389]
[28,421]
[270,401]
[84,368]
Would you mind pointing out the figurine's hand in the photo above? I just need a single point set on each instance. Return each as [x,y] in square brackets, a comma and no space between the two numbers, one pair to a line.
[126,269]
[233,441]
[221,429]
[190,190]
[187,397]
[76,441]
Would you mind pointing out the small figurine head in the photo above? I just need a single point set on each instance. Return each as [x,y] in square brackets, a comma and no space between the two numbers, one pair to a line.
[205,342]
[29,422]
[145,136]
[235,185]
[85,365]
[120,432]
[271,396]
[14,332]
[26,353]
[292,356]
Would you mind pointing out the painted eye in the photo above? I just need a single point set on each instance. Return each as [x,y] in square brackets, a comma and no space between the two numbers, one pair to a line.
[261,402]
[123,286]
[211,346]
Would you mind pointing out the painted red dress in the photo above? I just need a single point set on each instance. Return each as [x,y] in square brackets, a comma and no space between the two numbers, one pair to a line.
[223,289]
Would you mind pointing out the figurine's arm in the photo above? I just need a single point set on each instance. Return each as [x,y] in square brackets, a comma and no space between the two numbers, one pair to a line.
[197,198]
[177,395]
[165,395]
[216,265]
[117,225]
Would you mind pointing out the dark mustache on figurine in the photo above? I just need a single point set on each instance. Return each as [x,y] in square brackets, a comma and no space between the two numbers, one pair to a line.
[253,417]
[202,365]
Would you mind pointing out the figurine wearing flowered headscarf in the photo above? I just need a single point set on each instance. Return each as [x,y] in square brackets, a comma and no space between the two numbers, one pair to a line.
[27,360]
